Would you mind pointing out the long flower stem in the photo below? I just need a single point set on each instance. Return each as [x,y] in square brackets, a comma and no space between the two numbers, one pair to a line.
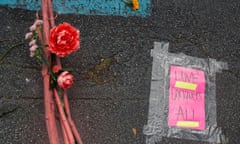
[67,110]
[65,138]
[52,22]
[50,112]
[63,118]
[71,123]
[58,61]
[48,99]
[69,130]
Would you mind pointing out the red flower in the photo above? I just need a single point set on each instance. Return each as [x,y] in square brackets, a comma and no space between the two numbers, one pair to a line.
[56,68]
[64,39]
[65,80]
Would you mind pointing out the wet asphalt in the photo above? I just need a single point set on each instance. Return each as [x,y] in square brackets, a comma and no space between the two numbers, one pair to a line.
[107,103]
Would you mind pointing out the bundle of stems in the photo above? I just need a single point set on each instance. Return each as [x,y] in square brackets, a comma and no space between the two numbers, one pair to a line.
[55,104]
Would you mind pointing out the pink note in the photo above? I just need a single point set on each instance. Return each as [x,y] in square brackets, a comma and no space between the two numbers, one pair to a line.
[186,98]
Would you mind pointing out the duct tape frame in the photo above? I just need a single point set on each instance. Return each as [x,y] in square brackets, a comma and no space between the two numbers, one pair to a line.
[157,125]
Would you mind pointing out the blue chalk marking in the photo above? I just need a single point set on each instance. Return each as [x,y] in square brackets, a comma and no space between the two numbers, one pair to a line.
[86,7]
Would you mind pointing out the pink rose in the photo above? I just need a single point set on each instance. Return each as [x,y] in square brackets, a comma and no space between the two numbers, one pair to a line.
[65,80]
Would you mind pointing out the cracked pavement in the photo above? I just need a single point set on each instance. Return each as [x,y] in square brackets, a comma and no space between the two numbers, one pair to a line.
[105,113]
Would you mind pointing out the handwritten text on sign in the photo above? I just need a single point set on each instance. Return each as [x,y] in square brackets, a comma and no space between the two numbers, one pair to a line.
[186,98]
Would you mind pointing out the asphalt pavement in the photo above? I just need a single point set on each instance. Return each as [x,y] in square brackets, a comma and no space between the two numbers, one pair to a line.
[113,70]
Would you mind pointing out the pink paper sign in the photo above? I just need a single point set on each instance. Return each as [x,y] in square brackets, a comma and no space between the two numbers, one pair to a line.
[186,98]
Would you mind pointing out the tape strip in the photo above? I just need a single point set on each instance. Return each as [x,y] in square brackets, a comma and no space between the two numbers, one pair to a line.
[185,85]
[191,124]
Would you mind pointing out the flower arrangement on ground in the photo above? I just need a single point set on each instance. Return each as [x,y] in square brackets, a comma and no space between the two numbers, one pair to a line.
[48,43]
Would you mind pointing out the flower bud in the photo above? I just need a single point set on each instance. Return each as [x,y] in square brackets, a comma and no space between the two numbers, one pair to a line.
[56,69]
[28,35]
[65,80]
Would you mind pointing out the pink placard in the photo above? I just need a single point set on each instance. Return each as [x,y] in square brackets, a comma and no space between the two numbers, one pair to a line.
[186,98]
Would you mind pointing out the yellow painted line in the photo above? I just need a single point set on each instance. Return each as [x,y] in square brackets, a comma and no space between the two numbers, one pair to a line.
[185,85]
[191,124]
